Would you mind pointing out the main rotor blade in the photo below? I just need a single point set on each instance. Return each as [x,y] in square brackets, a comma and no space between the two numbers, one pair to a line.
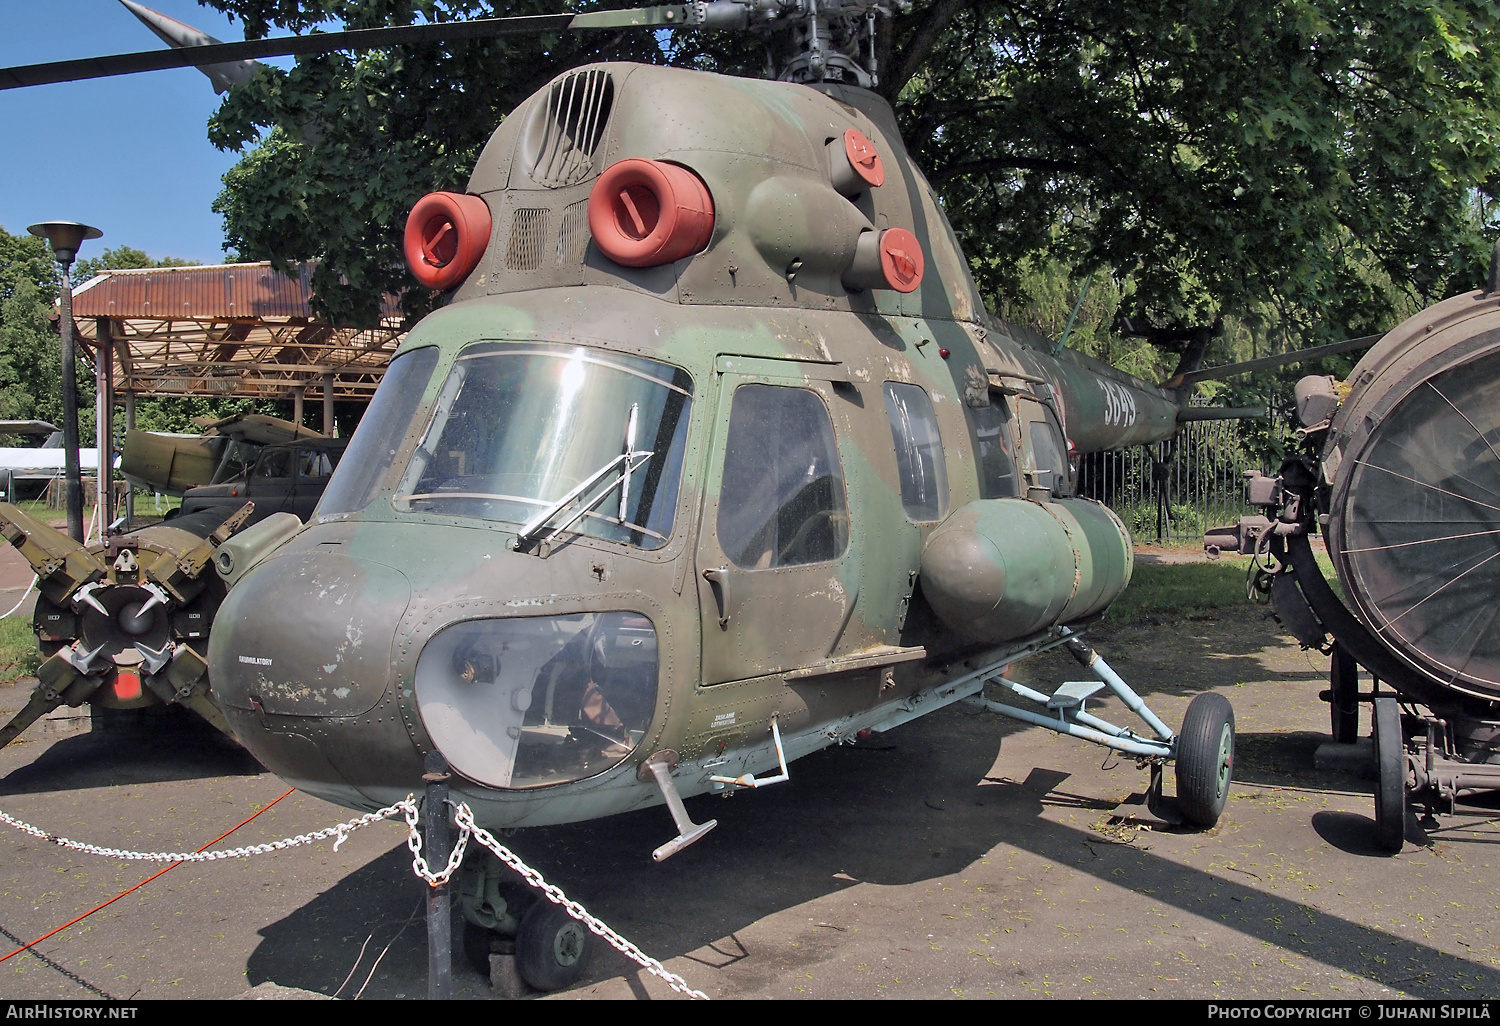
[1268,362]
[324,42]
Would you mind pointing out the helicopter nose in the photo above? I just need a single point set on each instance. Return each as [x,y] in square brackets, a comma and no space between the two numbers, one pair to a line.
[301,646]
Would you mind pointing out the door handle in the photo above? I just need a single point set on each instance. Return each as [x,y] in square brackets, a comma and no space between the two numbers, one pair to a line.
[718,579]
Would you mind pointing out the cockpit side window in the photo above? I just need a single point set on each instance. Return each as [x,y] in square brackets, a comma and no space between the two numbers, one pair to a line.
[919,452]
[994,448]
[782,502]
[1048,449]
[357,479]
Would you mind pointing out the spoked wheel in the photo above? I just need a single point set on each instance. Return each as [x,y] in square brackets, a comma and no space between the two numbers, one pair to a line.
[1205,759]
[552,948]
[1390,784]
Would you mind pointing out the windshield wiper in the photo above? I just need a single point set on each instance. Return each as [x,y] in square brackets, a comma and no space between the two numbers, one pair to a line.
[632,460]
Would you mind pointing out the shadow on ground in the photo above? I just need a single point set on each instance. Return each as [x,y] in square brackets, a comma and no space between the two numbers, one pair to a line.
[922,809]
[179,746]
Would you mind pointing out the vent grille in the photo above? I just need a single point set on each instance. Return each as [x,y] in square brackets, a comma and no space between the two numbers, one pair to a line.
[528,240]
[564,132]
[573,233]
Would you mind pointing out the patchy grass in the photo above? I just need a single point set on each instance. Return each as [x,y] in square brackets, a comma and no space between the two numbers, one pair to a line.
[1159,590]
[18,653]
[147,504]
[1181,589]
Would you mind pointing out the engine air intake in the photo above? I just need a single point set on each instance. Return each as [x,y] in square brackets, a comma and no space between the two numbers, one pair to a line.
[446,234]
[645,213]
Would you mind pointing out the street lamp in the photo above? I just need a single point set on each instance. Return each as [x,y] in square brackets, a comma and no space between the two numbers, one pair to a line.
[66,237]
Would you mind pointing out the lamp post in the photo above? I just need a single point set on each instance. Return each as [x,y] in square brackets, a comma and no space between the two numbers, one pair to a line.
[66,237]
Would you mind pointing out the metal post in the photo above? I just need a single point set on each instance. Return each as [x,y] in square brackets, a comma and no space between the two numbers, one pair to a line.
[70,407]
[328,405]
[297,404]
[104,415]
[438,845]
[130,426]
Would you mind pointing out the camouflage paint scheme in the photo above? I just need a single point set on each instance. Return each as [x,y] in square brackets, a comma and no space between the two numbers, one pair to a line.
[313,658]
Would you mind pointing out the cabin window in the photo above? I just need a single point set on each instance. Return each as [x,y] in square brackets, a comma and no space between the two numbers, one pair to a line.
[1049,452]
[782,502]
[372,449]
[519,426]
[312,463]
[275,463]
[919,452]
[994,448]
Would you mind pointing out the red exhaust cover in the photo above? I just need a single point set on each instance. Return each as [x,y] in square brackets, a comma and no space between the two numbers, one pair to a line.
[645,213]
[446,234]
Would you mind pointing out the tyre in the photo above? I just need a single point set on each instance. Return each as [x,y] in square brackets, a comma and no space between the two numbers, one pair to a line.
[1205,759]
[552,948]
[1390,783]
[1343,704]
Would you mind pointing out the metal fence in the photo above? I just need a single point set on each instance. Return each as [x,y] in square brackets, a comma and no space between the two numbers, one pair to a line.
[1171,492]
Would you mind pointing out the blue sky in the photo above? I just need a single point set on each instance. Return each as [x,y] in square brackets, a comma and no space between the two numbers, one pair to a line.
[129,155]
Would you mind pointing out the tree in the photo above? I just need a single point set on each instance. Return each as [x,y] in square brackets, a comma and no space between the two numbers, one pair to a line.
[30,352]
[1312,164]
[121,258]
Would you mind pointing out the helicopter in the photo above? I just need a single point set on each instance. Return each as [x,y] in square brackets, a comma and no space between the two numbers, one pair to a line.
[714,458]
[1397,472]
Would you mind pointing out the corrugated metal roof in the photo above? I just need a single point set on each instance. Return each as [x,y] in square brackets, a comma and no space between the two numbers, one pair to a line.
[218,292]
[212,292]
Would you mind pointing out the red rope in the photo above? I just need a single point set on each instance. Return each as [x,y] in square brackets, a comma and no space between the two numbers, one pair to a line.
[138,886]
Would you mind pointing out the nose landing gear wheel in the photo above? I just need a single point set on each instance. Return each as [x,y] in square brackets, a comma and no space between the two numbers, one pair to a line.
[1205,759]
[552,948]
[1390,785]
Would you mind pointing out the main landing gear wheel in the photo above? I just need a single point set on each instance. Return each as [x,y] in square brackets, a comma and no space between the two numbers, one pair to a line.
[1205,759]
[552,948]
[1390,783]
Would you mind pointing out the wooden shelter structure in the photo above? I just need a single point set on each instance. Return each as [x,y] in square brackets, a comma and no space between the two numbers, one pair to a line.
[228,330]
[222,331]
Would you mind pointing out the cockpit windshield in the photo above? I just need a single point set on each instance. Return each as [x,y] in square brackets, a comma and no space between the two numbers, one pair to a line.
[519,427]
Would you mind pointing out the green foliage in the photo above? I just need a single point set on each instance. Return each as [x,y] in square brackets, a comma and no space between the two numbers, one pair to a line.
[179,414]
[1318,155]
[30,357]
[30,352]
[121,258]
[26,258]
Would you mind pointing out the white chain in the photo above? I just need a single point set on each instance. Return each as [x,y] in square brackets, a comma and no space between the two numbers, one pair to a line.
[414,842]
[467,828]
[466,824]
[341,831]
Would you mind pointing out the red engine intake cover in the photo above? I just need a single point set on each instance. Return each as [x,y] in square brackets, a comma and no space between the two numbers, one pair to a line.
[645,213]
[901,259]
[446,234]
